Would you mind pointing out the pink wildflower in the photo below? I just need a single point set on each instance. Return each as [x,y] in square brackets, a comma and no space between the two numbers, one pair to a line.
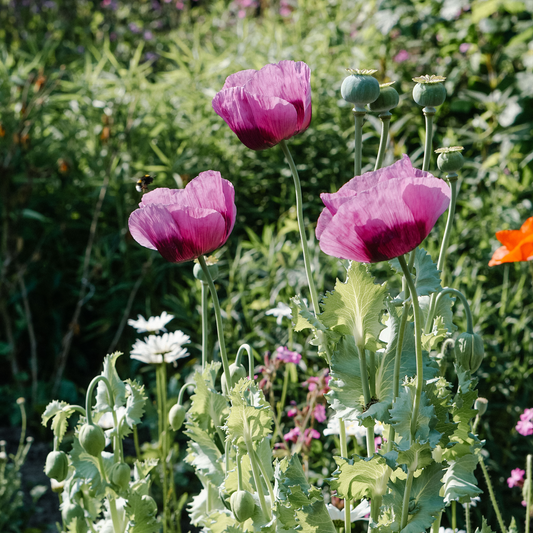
[309,434]
[517,478]
[525,424]
[292,435]
[180,5]
[464,47]
[285,355]
[378,441]
[292,412]
[320,413]
[402,55]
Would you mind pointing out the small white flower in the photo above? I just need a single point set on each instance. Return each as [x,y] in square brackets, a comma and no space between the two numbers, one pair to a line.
[450,530]
[106,420]
[154,324]
[280,311]
[158,348]
[359,513]
[353,428]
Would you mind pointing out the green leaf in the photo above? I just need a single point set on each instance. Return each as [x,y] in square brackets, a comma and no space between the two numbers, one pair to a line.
[143,517]
[250,416]
[354,307]
[360,477]
[424,499]
[135,401]
[485,528]
[443,309]
[60,412]
[315,518]
[103,400]
[231,481]
[204,455]
[436,336]
[417,456]
[459,481]
[440,397]
[289,473]
[426,274]
[86,466]
[302,318]
[401,414]
[143,468]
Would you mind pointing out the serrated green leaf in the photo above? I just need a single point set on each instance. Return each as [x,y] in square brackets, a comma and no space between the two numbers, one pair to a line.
[360,477]
[135,401]
[143,517]
[86,467]
[417,456]
[60,412]
[485,528]
[218,521]
[426,274]
[354,307]
[460,483]
[289,473]
[143,468]
[440,397]
[439,332]
[204,455]
[401,415]
[315,518]
[103,400]
[424,499]
[443,309]
[285,516]
[302,318]
[250,416]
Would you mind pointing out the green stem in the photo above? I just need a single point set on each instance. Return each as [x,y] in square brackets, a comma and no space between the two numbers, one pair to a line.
[492,495]
[239,472]
[112,505]
[429,113]
[204,325]
[241,349]
[218,318]
[418,345]
[528,492]
[406,497]
[372,373]
[344,453]
[136,443]
[385,123]
[256,476]
[505,290]
[301,226]
[454,516]
[89,395]
[359,114]
[370,445]
[467,518]
[464,301]
[264,473]
[281,404]
[367,397]
[436,524]
[452,178]
[161,386]
[21,402]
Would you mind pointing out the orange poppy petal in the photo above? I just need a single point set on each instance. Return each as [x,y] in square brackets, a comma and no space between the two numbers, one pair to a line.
[512,238]
[498,255]
[527,226]
[522,252]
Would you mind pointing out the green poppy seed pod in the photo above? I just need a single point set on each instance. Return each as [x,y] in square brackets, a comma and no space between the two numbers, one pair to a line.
[469,351]
[236,372]
[176,416]
[360,88]
[92,439]
[199,273]
[242,505]
[481,405]
[120,475]
[56,466]
[450,159]
[429,91]
[388,99]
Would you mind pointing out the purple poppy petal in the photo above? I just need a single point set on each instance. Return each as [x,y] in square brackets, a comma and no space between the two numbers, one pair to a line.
[259,122]
[161,196]
[152,224]
[386,221]
[289,81]
[210,191]
[239,78]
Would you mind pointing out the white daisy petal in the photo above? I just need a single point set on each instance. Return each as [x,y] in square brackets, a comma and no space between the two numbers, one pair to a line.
[158,348]
[154,324]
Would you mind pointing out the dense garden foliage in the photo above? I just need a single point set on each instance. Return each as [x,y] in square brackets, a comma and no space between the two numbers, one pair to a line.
[96,94]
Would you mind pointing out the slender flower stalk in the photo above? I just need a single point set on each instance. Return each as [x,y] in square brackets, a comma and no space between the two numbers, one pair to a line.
[161,380]
[429,113]
[205,326]
[359,115]
[385,123]
[218,319]
[464,301]
[344,453]
[468,522]
[454,516]
[492,495]
[301,227]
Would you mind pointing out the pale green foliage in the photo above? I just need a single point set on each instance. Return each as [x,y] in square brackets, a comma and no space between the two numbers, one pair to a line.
[459,481]
[103,401]
[485,528]
[60,412]
[141,513]
[426,274]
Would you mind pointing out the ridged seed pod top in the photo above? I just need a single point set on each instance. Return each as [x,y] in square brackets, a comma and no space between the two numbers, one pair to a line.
[450,158]
[388,99]
[429,91]
[360,88]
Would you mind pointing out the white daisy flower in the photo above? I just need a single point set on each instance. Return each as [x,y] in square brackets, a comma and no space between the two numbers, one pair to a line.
[353,428]
[158,348]
[154,324]
[359,513]
[280,311]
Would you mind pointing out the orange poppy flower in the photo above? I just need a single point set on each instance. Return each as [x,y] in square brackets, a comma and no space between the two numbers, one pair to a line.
[517,245]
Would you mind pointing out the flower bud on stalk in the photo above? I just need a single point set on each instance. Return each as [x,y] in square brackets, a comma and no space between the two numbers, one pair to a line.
[237,372]
[120,475]
[242,505]
[176,416]
[211,266]
[360,88]
[450,159]
[92,439]
[388,99]
[56,466]
[429,91]
[469,351]
[481,405]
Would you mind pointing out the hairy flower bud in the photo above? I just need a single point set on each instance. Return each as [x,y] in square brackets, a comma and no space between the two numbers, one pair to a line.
[481,405]
[92,439]
[120,475]
[176,416]
[360,88]
[242,505]
[429,91]
[469,351]
[56,466]
[236,372]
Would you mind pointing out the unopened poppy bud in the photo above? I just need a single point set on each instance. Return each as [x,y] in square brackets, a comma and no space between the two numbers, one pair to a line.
[120,475]
[176,416]
[236,372]
[92,439]
[360,88]
[469,351]
[388,99]
[242,505]
[56,466]
[429,91]
[481,405]
[199,273]
[450,159]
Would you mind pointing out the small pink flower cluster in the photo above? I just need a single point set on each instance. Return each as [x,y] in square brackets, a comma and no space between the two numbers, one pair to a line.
[517,478]
[308,435]
[525,425]
[286,356]
[243,5]
[272,364]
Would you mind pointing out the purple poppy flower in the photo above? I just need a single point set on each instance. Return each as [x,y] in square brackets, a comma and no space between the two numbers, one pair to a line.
[267,106]
[182,224]
[381,215]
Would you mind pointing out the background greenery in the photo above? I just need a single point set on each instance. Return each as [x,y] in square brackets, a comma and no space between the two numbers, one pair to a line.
[94,94]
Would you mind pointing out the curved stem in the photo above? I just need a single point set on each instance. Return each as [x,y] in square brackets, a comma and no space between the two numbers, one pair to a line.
[88,396]
[344,453]
[452,178]
[385,123]
[182,392]
[218,318]
[491,493]
[241,349]
[418,345]
[204,325]
[462,297]
[301,227]
[429,113]
[359,114]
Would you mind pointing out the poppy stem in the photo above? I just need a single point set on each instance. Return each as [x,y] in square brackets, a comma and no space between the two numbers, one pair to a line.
[218,319]
[385,123]
[344,453]
[301,226]
[204,325]
[359,114]
[429,113]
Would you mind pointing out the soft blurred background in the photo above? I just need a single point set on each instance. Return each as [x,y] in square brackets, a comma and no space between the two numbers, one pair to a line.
[94,94]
